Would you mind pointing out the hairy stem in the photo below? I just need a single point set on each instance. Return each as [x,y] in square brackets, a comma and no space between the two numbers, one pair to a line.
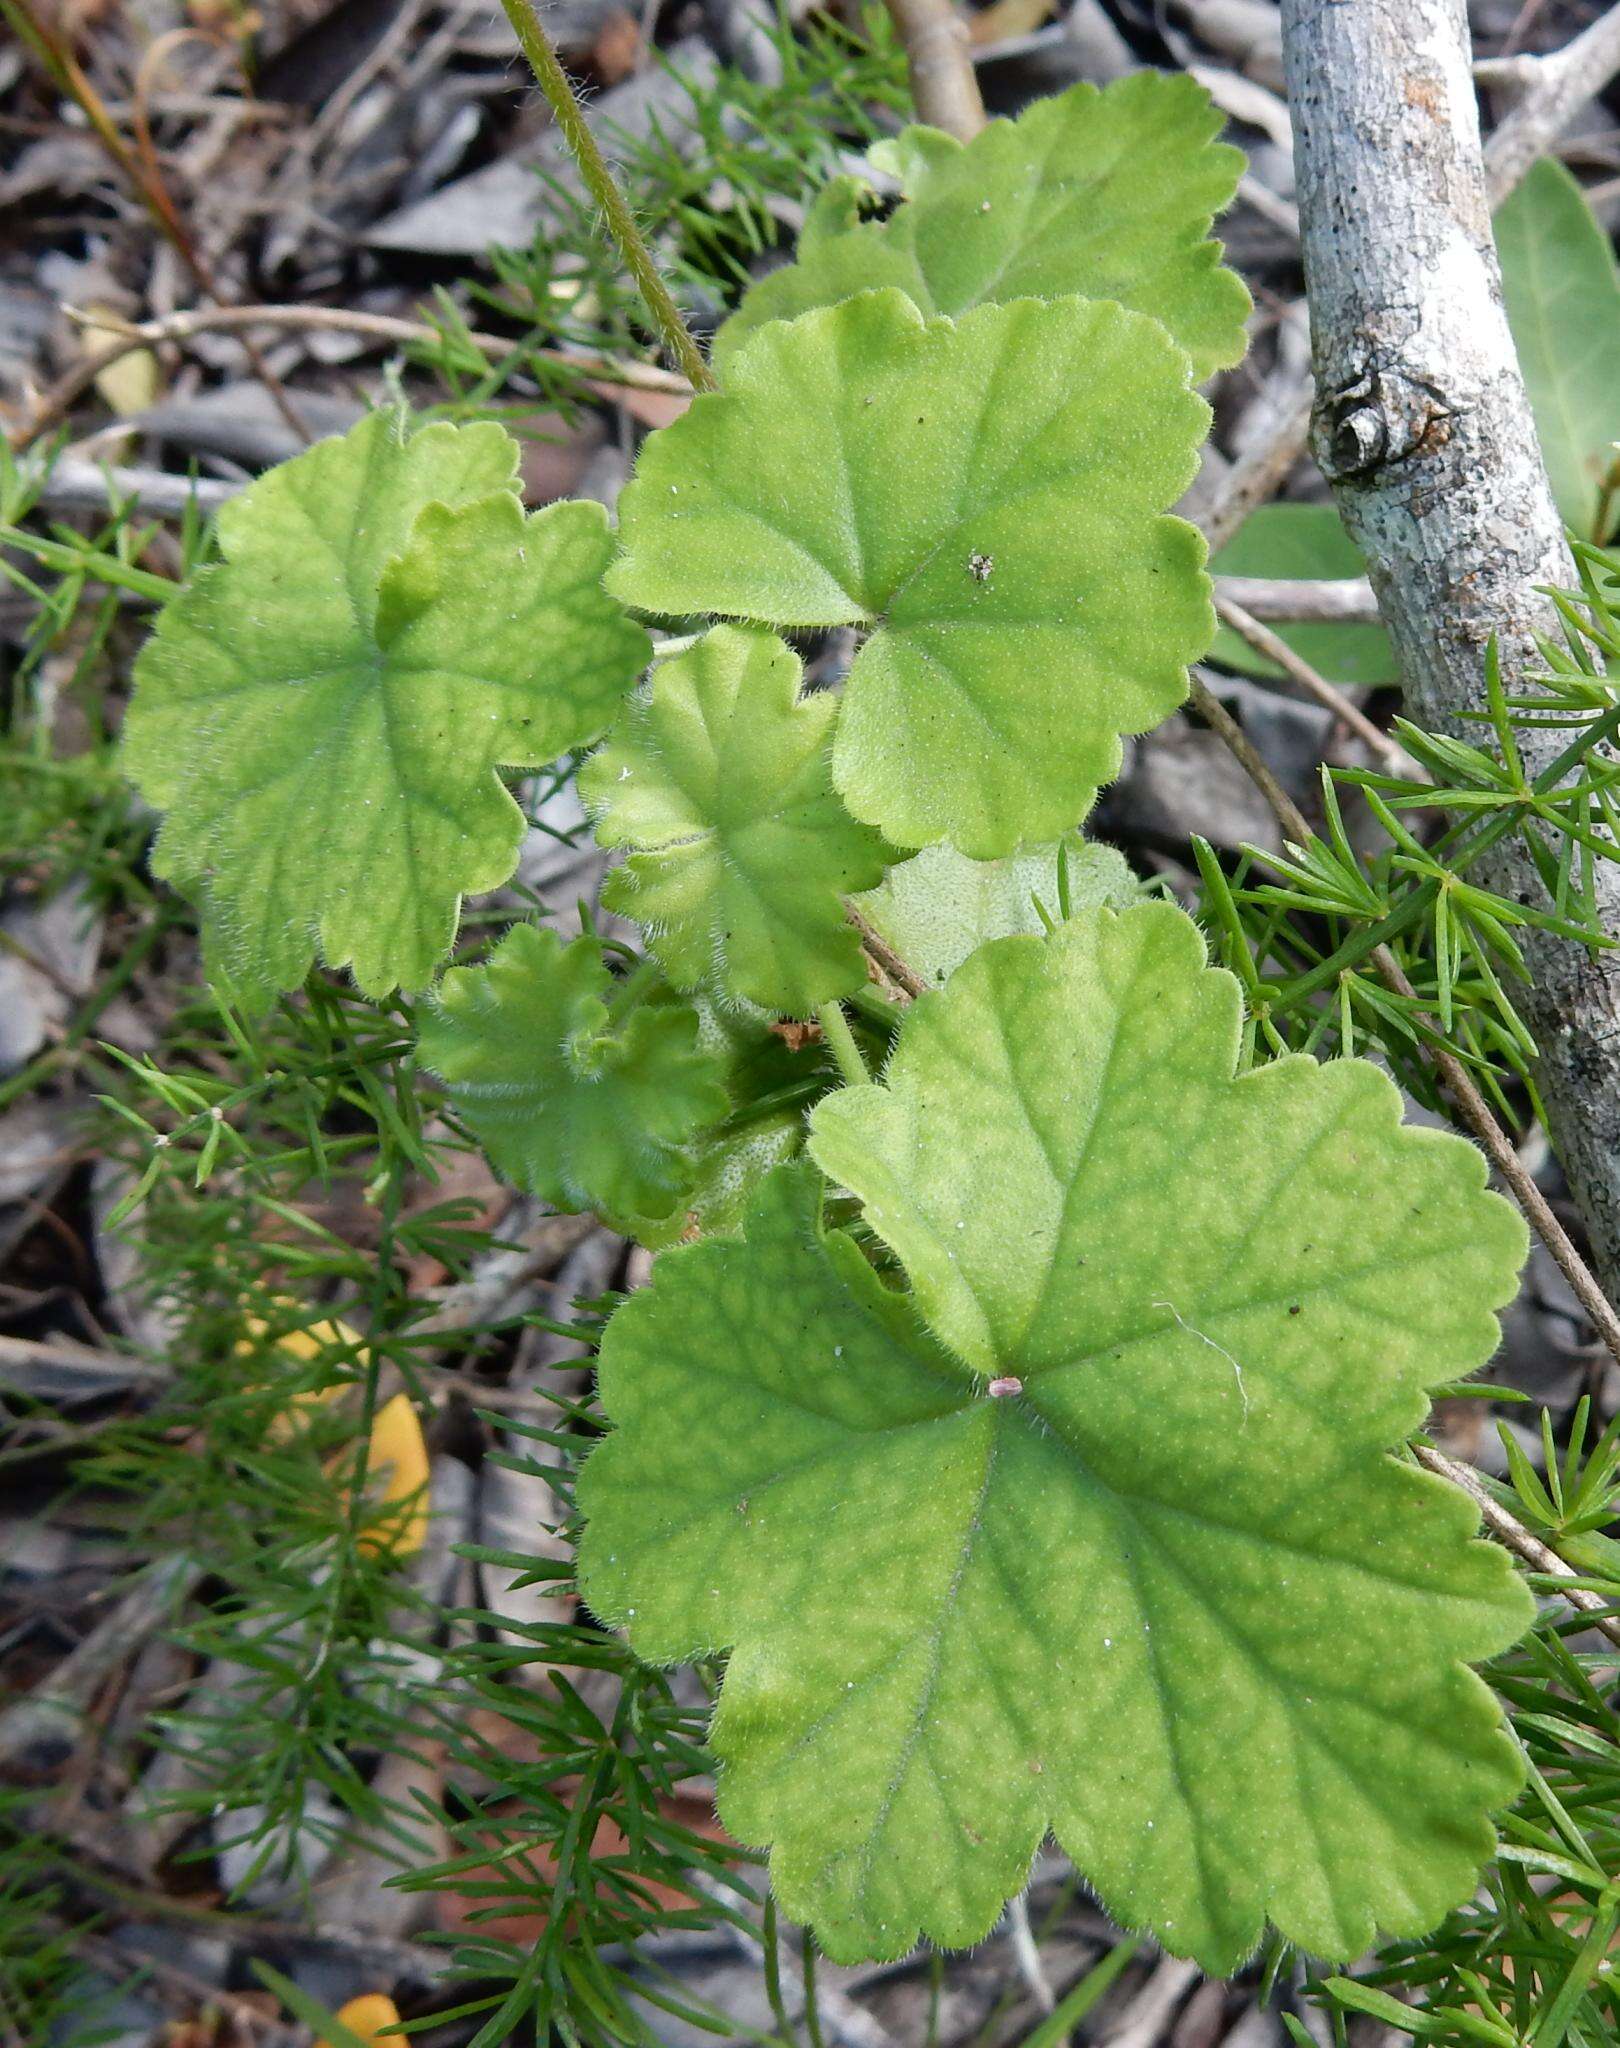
[840,1042]
[604,189]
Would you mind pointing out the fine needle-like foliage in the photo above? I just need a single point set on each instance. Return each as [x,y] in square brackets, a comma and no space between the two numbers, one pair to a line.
[742,853]
[1052,204]
[322,713]
[1097,1528]
[985,499]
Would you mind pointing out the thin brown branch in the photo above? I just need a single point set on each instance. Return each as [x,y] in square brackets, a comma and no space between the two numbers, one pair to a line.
[1513,1535]
[1277,650]
[1471,1104]
[180,328]
[140,171]
[1504,1156]
[939,63]
[1243,750]
[904,978]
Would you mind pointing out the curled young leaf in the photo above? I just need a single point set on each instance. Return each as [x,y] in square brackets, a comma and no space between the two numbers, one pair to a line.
[742,855]
[322,713]
[576,1106]
[1097,1530]
[1104,194]
[985,499]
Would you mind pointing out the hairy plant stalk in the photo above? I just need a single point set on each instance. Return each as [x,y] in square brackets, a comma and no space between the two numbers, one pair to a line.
[1423,428]
[604,189]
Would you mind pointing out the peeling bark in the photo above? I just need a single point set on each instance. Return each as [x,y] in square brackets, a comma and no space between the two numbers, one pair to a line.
[1423,429]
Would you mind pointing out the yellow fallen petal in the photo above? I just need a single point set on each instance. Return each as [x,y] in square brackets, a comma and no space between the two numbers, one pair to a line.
[130,384]
[399,1460]
[312,1341]
[367,2017]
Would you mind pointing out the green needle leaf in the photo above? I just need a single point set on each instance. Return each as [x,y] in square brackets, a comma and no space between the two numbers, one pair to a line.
[1052,204]
[322,713]
[719,780]
[1129,1559]
[985,498]
[580,1110]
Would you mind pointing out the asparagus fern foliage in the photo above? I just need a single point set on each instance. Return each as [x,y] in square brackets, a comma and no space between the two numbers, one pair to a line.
[1055,1488]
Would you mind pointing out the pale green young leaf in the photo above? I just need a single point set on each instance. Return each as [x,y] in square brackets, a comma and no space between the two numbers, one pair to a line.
[985,499]
[719,781]
[1102,194]
[322,713]
[939,906]
[1563,301]
[1286,541]
[583,1110]
[1097,1530]
[760,1068]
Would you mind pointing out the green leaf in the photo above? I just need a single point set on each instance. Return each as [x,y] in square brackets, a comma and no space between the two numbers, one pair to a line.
[769,1084]
[1051,205]
[1563,302]
[1303,541]
[743,855]
[984,499]
[322,713]
[939,906]
[580,1108]
[1095,1530]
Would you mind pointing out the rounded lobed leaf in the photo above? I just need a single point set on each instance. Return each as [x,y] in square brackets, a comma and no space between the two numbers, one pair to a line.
[1055,203]
[985,498]
[719,781]
[1097,1529]
[322,713]
[575,1106]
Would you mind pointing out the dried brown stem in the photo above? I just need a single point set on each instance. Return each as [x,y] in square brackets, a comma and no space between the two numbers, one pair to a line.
[1277,650]
[179,328]
[939,62]
[1514,1536]
[904,978]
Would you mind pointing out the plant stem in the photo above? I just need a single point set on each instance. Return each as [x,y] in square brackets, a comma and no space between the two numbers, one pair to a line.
[812,2011]
[603,187]
[628,991]
[1073,2006]
[841,1044]
[771,1949]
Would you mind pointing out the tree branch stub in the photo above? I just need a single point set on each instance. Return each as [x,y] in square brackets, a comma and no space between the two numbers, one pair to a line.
[1424,430]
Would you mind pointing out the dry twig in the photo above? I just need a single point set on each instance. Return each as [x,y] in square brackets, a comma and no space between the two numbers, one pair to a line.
[179,328]
[1512,1533]
[1556,87]
[1264,641]
[939,63]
